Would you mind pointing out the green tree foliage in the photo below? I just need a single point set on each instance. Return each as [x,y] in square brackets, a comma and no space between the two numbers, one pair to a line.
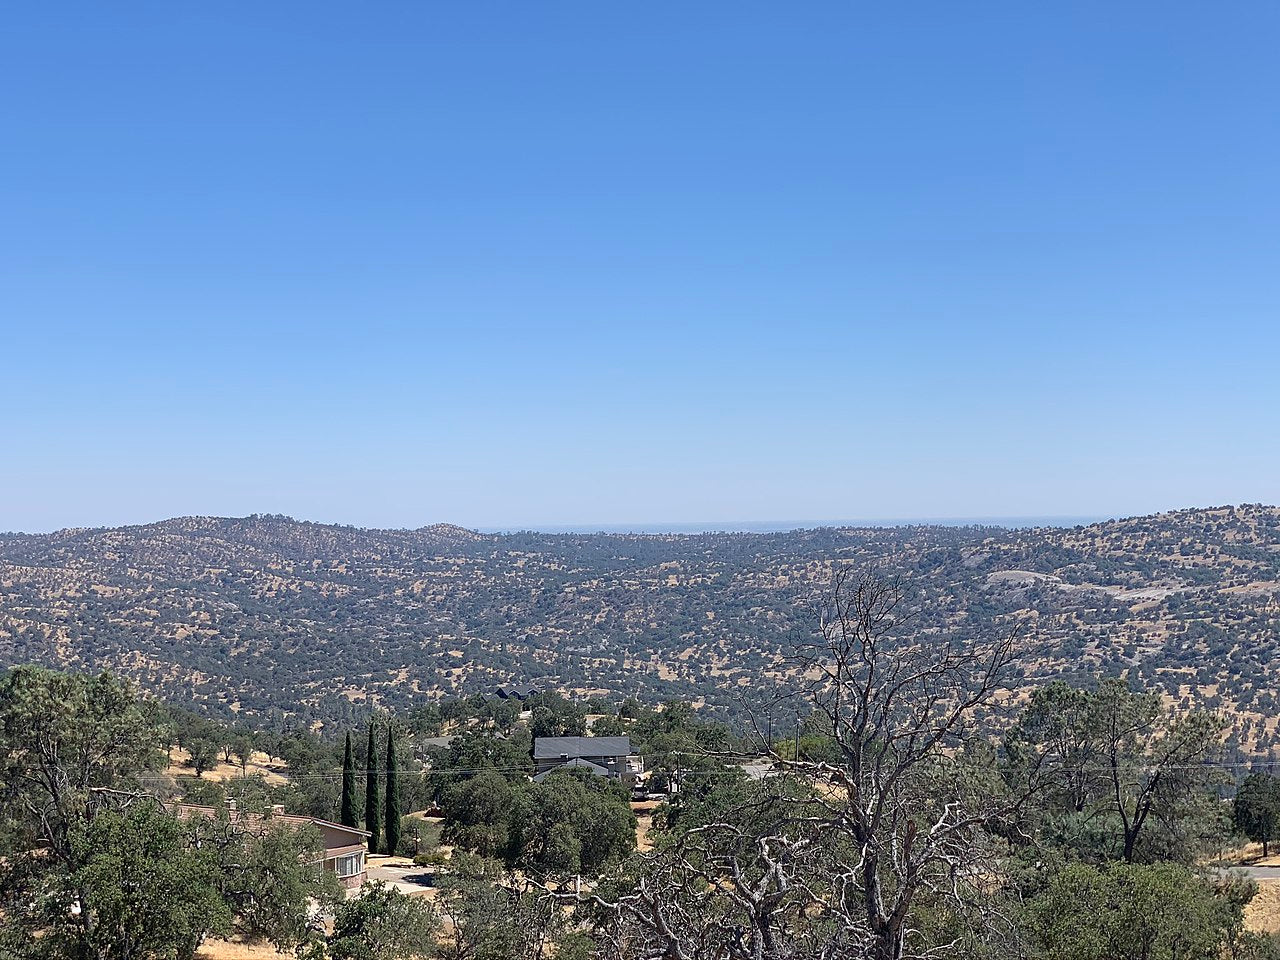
[1158,767]
[1058,721]
[578,824]
[150,893]
[1153,912]
[608,726]
[383,924]
[204,754]
[570,823]
[426,720]
[204,793]
[489,916]
[373,795]
[272,877]
[96,868]
[1256,946]
[242,748]
[1257,808]
[70,745]
[747,873]
[503,714]
[552,715]
[677,744]
[252,794]
[347,816]
[1125,777]
[473,752]
[312,788]
[708,799]
[482,813]
[749,583]
[393,795]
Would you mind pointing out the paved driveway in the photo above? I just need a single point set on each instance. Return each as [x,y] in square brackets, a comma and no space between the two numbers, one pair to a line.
[402,875]
[1260,873]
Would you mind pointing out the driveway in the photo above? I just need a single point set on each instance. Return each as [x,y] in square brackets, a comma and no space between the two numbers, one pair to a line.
[400,872]
[1259,873]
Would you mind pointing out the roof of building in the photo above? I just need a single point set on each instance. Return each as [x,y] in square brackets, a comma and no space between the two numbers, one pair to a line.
[435,741]
[349,849]
[514,694]
[555,748]
[577,763]
[186,810]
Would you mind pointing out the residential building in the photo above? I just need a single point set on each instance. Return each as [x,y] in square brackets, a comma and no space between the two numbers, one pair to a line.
[602,756]
[344,847]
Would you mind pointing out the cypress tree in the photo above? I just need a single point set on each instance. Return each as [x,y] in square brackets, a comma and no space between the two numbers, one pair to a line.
[372,797]
[393,796]
[348,818]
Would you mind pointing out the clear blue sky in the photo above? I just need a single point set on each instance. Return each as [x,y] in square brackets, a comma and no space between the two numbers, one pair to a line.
[556,263]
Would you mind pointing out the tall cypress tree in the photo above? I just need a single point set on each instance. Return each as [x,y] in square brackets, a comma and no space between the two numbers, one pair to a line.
[393,795]
[348,818]
[372,797]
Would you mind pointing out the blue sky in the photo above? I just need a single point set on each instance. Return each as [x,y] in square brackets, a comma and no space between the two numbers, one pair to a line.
[518,264]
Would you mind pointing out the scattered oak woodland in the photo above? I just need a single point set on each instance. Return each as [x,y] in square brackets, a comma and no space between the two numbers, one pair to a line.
[283,621]
[894,826]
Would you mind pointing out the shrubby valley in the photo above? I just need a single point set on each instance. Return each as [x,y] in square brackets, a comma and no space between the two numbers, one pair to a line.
[898,790]
[283,623]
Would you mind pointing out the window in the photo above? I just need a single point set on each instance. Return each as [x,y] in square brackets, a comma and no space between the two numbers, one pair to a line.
[350,865]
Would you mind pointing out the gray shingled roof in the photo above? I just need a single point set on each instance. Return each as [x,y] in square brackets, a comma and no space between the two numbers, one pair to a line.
[435,741]
[577,763]
[553,748]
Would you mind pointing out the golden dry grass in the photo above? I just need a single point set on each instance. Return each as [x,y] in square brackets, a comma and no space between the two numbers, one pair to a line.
[1250,854]
[644,823]
[269,767]
[238,950]
[1262,915]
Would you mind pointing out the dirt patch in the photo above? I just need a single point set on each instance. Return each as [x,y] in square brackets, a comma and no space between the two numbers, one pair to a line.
[644,823]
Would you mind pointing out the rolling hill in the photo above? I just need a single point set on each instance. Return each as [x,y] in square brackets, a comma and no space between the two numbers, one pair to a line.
[277,618]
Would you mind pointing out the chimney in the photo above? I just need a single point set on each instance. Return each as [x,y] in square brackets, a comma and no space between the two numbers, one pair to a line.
[278,810]
[231,808]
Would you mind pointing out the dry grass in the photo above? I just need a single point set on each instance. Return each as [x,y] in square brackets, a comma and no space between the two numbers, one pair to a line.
[272,769]
[1250,855]
[1262,915]
[644,823]
[238,950]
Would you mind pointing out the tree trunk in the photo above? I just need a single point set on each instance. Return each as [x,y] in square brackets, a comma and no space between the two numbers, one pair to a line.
[890,944]
[1130,843]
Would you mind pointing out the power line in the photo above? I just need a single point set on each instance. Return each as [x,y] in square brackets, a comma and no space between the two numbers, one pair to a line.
[334,773]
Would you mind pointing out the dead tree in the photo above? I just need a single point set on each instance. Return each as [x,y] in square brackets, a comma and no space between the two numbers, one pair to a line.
[893,817]
[899,708]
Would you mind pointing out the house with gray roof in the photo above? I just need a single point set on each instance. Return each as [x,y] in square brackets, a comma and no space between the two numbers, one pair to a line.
[602,756]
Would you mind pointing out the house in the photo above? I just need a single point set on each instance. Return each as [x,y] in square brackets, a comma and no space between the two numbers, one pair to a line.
[602,756]
[422,746]
[518,695]
[344,847]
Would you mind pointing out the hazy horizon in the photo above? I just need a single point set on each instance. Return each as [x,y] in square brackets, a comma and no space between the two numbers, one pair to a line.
[782,526]
[673,526]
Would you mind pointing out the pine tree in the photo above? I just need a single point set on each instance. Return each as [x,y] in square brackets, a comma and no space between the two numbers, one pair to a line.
[348,818]
[393,796]
[372,797]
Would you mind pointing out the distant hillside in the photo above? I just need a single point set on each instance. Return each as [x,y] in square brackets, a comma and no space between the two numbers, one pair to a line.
[278,618]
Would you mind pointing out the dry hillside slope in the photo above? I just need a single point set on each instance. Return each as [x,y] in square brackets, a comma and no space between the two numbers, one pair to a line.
[277,617]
